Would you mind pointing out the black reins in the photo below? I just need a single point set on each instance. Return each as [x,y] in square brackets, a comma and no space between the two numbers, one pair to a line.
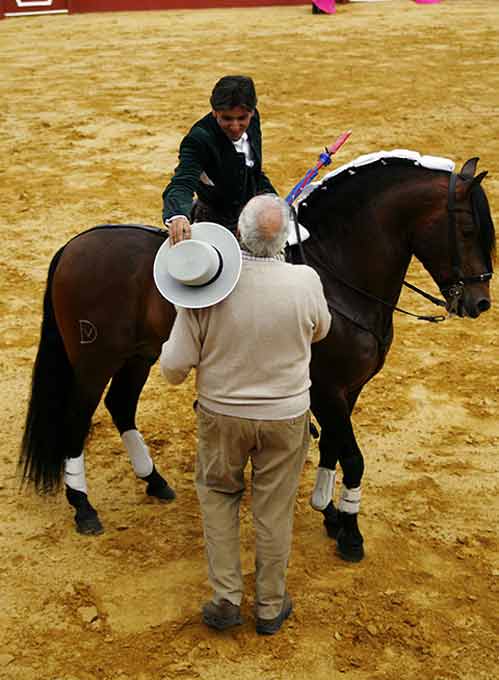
[435,318]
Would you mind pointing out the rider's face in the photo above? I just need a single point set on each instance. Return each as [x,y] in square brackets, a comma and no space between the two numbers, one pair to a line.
[234,122]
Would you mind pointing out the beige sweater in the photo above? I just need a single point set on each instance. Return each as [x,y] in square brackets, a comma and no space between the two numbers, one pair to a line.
[252,350]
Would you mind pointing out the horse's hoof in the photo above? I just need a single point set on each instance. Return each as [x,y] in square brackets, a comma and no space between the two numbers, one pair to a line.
[332,520]
[163,492]
[350,547]
[89,526]
[158,487]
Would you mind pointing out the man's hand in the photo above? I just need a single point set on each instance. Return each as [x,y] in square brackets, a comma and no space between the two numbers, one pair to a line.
[179,229]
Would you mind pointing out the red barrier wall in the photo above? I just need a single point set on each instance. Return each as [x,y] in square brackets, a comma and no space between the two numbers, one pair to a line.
[128,5]
[77,6]
[29,7]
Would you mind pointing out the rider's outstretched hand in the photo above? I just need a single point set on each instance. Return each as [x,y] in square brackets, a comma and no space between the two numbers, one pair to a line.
[179,229]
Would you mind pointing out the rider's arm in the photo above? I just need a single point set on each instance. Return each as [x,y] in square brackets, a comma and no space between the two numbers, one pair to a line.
[179,193]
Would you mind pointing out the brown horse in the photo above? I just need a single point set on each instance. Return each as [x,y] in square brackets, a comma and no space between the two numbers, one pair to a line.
[105,321]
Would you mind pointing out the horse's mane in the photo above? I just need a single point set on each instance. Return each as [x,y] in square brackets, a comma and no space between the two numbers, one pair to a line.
[343,189]
[483,217]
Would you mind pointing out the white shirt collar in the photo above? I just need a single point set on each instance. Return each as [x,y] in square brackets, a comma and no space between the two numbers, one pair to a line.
[243,146]
[241,142]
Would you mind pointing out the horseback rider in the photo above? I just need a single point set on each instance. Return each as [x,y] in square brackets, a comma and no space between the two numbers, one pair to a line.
[220,160]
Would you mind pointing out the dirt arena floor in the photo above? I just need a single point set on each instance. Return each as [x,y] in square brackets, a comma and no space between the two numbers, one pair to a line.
[93,109]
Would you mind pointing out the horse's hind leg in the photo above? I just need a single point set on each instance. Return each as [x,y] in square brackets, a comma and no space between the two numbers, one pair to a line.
[121,401]
[81,407]
[86,518]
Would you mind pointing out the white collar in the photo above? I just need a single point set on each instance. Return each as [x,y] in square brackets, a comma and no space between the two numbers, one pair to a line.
[243,146]
[240,143]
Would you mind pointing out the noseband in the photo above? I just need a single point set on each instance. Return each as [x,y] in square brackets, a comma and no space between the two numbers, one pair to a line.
[454,289]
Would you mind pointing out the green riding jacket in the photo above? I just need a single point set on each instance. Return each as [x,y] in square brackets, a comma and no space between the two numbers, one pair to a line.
[206,150]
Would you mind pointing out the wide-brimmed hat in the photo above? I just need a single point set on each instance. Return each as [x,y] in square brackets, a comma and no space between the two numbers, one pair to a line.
[200,271]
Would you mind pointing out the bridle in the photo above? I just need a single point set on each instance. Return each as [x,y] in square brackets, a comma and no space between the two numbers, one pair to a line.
[453,289]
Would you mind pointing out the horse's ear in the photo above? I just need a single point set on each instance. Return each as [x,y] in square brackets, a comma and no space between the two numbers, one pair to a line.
[468,169]
[470,183]
[478,178]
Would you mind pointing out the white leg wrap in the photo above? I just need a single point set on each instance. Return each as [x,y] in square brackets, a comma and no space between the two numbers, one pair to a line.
[324,488]
[138,452]
[74,473]
[350,500]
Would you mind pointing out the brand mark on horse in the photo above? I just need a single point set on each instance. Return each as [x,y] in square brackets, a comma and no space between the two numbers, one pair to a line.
[88,332]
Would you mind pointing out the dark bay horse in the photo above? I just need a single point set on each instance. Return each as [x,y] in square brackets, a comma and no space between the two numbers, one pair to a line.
[104,321]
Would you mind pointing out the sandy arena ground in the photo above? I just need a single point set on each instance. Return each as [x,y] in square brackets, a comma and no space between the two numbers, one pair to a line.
[93,109]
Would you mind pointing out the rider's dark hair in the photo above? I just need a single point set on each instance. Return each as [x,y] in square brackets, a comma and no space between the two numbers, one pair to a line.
[232,91]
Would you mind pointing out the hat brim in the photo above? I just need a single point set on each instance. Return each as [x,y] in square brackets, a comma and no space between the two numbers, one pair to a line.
[197,297]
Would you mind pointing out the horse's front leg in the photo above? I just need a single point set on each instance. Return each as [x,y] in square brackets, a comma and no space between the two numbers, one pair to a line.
[121,401]
[338,442]
[325,481]
[349,539]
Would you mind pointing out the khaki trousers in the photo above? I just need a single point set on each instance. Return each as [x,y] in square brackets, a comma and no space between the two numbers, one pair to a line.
[277,449]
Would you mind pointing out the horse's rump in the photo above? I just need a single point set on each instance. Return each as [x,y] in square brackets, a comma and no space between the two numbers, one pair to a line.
[104,295]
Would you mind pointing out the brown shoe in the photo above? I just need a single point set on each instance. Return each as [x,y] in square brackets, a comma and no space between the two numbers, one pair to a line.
[222,615]
[271,626]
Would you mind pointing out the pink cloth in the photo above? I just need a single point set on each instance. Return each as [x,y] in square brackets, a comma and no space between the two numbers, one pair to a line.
[327,6]
[426,2]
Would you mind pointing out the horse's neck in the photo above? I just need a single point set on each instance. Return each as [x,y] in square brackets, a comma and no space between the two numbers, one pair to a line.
[367,235]
[370,252]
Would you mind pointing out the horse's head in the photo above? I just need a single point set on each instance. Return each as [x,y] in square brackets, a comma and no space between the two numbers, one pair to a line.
[461,264]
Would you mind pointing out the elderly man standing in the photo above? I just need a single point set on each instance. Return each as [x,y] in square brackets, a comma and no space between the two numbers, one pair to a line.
[252,354]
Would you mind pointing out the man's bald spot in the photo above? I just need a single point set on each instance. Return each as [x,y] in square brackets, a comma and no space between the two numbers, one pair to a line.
[270,220]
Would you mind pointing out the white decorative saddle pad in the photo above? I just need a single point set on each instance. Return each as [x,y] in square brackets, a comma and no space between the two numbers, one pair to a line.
[425,161]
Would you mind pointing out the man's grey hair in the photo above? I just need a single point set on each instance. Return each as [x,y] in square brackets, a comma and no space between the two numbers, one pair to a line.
[252,219]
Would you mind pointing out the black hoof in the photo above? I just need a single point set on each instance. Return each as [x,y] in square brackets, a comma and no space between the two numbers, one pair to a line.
[89,526]
[158,487]
[86,517]
[164,493]
[348,549]
[332,521]
[349,541]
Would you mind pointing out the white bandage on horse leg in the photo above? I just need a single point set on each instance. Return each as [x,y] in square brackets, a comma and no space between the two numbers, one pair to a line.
[324,488]
[74,473]
[138,452]
[350,500]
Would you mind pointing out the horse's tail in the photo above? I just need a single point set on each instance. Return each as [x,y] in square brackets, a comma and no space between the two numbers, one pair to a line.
[42,456]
